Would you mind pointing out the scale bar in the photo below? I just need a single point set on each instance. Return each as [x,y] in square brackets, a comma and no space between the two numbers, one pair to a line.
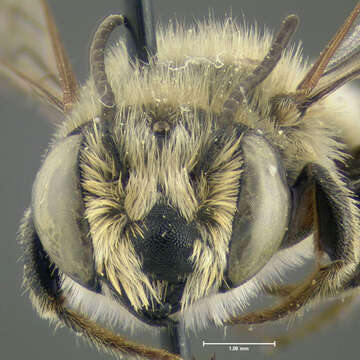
[239,344]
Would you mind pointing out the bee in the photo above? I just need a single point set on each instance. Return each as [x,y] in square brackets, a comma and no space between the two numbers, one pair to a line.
[187,168]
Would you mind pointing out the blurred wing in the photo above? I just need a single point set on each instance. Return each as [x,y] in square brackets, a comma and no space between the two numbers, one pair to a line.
[338,64]
[32,55]
[344,65]
[349,47]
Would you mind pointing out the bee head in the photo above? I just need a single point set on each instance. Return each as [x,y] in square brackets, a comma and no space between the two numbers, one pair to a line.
[164,204]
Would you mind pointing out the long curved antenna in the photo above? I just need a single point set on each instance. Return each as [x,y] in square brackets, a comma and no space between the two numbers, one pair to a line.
[260,73]
[97,65]
[140,22]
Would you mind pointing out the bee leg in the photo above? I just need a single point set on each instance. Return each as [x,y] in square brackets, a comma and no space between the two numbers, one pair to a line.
[107,340]
[42,281]
[317,322]
[279,290]
[320,282]
[336,234]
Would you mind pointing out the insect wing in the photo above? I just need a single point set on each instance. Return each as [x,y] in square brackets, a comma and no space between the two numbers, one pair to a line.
[338,64]
[348,49]
[26,54]
[344,65]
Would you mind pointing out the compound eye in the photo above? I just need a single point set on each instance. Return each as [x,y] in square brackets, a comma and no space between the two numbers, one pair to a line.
[263,210]
[58,213]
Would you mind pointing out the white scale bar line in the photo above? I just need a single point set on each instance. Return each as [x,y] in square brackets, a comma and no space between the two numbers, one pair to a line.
[241,344]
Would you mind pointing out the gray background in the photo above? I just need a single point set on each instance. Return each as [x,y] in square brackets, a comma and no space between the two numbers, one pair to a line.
[24,136]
